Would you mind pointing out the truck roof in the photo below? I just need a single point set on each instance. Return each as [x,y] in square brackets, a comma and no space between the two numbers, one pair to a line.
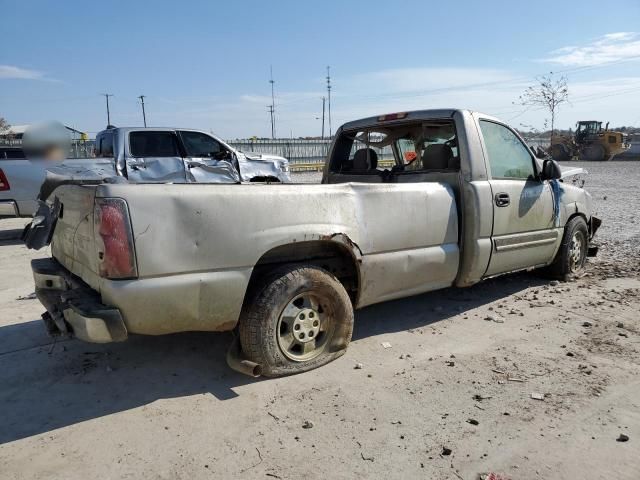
[152,129]
[406,115]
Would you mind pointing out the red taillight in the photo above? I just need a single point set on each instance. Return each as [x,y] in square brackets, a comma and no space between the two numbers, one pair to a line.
[114,239]
[392,116]
[4,183]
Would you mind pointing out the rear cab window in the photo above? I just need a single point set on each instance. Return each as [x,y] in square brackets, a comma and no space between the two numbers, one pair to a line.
[12,153]
[104,145]
[153,144]
[418,146]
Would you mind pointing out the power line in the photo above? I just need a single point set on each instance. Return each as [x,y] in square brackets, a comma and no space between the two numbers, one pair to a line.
[144,116]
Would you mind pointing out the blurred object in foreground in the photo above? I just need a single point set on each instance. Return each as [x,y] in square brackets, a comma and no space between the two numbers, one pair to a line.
[46,141]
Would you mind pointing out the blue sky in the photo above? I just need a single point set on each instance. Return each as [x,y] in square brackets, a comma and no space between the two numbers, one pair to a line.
[206,64]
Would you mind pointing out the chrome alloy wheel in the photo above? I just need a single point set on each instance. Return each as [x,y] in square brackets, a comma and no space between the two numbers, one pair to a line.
[304,328]
[577,251]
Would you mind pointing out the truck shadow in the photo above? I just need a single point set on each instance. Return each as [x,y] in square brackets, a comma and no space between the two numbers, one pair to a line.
[48,386]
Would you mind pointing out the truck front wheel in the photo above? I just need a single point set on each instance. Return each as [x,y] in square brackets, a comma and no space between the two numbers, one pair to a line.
[298,318]
[572,254]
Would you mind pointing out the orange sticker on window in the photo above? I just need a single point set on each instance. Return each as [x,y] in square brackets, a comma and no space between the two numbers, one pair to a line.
[410,156]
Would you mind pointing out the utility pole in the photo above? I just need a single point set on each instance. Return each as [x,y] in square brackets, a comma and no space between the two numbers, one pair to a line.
[272,108]
[329,96]
[106,96]
[144,116]
[323,102]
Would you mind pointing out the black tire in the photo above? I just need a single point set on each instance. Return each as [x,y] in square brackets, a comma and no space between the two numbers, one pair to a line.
[593,153]
[568,264]
[560,152]
[266,327]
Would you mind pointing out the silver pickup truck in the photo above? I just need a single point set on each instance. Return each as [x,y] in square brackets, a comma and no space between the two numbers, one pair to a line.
[141,155]
[284,265]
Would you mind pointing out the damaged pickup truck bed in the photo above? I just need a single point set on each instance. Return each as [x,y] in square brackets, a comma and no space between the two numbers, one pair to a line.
[285,265]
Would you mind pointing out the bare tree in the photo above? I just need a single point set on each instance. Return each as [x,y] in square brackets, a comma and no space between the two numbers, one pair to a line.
[3,125]
[549,94]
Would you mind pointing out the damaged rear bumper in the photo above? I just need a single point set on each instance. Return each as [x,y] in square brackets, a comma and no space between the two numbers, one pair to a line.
[73,308]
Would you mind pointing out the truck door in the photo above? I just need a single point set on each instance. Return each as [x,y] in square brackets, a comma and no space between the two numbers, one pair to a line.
[523,234]
[206,159]
[154,156]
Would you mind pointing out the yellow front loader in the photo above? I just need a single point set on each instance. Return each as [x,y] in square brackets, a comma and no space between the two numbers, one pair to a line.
[590,143]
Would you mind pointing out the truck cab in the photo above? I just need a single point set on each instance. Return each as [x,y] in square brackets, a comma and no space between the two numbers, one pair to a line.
[160,155]
[510,215]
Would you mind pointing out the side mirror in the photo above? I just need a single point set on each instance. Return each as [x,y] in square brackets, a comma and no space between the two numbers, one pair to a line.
[551,170]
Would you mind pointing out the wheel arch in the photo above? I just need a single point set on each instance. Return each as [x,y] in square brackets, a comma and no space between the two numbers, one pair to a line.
[337,254]
[577,214]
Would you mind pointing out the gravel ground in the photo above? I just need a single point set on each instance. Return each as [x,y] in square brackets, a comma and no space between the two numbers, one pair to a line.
[452,398]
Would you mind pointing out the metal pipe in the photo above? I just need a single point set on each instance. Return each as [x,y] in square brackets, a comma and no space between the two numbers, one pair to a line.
[239,364]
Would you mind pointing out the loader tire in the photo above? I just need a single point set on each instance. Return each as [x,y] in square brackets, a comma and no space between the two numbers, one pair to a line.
[560,152]
[593,153]
[570,260]
[297,319]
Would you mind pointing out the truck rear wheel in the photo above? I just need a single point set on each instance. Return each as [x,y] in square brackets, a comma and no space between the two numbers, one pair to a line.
[572,255]
[298,319]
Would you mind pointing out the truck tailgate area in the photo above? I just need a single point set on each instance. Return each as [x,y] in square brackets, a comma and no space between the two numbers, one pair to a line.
[73,242]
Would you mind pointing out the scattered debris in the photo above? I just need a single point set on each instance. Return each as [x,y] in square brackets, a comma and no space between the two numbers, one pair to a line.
[498,371]
[275,417]
[516,379]
[368,459]
[492,476]
[622,438]
[385,345]
[477,397]
[31,296]
[537,396]
[307,424]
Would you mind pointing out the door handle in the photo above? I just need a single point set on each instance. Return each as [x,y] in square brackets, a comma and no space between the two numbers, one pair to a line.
[502,199]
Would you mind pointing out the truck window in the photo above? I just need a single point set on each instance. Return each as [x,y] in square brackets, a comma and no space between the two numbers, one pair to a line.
[153,144]
[105,146]
[198,144]
[508,157]
[12,154]
[364,150]
[421,146]
[428,147]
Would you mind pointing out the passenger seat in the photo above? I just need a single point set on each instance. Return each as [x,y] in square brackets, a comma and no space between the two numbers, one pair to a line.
[365,159]
[437,156]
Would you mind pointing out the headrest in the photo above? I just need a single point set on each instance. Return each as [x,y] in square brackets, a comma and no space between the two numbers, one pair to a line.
[365,159]
[436,157]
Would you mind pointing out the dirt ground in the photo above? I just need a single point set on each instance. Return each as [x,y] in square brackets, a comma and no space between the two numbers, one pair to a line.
[451,398]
